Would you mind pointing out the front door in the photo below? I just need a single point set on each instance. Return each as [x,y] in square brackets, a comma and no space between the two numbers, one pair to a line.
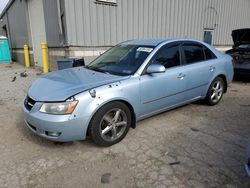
[160,91]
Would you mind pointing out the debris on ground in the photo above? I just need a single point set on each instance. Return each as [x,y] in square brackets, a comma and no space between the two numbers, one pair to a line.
[39,73]
[175,163]
[209,165]
[234,90]
[245,105]
[111,155]
[14,79]
[105,178]
[23,74]
[8,66]
[194,129]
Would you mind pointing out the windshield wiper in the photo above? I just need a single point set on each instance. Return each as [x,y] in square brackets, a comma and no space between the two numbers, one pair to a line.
[97,69]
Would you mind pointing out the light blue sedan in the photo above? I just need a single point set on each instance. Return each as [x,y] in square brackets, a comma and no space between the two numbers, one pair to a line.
[131,81]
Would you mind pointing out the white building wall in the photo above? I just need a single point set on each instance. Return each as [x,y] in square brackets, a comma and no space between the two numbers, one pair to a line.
[92,24]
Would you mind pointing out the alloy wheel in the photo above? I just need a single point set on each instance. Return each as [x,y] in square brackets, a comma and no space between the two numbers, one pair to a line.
[216,91]
[113,124]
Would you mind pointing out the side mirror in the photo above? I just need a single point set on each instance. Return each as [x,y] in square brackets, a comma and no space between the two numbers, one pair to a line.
[155,68]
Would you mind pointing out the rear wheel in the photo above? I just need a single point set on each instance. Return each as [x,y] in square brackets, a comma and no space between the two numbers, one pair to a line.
[110,124]
[215,91]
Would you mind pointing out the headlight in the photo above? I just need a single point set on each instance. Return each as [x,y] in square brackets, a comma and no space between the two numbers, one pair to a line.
[61,108]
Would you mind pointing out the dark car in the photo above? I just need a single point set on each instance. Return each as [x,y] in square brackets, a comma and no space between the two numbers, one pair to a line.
[247,165]
[241,52]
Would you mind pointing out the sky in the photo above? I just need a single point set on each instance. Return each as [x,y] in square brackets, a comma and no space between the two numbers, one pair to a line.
[3,3]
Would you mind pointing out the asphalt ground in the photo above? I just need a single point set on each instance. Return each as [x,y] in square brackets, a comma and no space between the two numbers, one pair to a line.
[192,146]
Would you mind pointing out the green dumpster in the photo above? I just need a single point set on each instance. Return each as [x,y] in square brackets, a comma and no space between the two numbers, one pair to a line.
[5,56]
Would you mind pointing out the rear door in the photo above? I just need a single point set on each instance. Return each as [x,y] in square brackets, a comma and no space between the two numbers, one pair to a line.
[200,67]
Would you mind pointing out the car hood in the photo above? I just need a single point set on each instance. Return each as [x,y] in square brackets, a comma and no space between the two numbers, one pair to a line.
[241,36]
[60,85]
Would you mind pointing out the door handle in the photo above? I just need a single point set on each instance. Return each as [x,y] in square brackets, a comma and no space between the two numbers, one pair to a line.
[181,76]
[212,68]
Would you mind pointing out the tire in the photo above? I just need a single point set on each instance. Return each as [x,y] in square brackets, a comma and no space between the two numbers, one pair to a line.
[215,91]
[110,124]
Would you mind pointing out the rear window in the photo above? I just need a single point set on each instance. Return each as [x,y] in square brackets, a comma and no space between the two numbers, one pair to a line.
[193,53]
[208,53]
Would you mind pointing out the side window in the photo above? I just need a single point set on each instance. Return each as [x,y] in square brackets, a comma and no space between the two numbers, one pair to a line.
[193,53]
[208,53]
[168,56]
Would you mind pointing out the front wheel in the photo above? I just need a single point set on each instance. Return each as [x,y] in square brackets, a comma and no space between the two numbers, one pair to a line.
[110,124]
[215,91]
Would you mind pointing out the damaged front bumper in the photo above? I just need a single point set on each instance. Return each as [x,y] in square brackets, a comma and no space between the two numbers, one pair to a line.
[58,128]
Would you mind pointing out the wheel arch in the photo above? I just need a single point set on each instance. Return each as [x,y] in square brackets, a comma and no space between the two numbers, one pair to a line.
[224,78]
[128,104]
[133,124]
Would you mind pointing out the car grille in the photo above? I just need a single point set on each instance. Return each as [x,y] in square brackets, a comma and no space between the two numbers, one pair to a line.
[29,103]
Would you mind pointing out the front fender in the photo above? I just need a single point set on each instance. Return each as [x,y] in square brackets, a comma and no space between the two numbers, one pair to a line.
[127,90]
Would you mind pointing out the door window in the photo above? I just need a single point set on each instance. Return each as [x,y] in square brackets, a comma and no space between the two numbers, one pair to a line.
[168,57]
[208,53]
[193,53]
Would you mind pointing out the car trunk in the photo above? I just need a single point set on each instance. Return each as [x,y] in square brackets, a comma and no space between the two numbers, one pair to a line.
[241,55]
[241,48]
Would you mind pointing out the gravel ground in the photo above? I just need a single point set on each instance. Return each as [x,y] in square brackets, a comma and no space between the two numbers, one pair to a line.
[192,146]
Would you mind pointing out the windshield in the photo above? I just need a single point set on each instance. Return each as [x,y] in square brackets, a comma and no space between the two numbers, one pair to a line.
[121,60]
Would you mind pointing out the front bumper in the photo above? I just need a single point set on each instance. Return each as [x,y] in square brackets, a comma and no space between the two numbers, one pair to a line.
[59,128]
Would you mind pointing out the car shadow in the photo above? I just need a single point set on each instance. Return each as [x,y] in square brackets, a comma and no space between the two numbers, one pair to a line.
[240,78]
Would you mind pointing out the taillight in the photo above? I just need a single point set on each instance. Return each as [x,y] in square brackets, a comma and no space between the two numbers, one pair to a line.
[234,61]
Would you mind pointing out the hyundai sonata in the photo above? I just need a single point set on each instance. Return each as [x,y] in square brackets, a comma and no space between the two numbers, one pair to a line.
[131,81]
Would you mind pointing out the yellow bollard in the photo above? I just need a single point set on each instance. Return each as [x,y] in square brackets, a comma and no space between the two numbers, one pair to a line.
[45,57]
[26,55]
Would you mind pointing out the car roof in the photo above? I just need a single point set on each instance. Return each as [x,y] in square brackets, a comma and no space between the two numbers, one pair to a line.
[156,42]
[147,42]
